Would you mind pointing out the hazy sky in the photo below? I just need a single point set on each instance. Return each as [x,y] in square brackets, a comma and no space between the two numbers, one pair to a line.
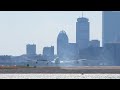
[18,28]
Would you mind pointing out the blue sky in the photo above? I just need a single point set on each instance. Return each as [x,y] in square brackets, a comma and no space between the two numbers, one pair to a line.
[18,28]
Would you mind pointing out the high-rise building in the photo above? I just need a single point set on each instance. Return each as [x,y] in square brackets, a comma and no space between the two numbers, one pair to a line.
[48,53]
[110,26]
[31,49]
[94,43]
[62,43]
[82,33]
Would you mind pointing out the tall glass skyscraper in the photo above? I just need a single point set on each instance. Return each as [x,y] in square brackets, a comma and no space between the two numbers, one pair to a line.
[110,26]
[82,32]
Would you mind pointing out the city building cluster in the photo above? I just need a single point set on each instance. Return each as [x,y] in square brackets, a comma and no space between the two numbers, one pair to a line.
[85,51]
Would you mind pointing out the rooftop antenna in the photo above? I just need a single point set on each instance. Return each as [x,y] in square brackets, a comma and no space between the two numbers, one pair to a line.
[82,14]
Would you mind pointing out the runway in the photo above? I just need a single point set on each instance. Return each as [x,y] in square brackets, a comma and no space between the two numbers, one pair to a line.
[59,76]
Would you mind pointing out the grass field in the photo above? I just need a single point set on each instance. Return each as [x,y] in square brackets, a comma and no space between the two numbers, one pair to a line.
[59,70]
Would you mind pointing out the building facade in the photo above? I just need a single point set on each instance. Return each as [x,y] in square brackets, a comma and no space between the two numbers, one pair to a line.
[112,53]
[31,49]
[62,43]
[94,43]
[48,53]
[110,27]
[72,51]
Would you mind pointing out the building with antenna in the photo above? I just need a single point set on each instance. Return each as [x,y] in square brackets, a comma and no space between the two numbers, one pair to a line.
[82,32]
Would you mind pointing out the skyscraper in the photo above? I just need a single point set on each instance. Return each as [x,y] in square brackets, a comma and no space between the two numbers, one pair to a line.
[82,32]
[62,43]
[110,26]
[31,49]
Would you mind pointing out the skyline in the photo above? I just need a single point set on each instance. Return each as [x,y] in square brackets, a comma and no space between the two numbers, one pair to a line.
[31,26]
